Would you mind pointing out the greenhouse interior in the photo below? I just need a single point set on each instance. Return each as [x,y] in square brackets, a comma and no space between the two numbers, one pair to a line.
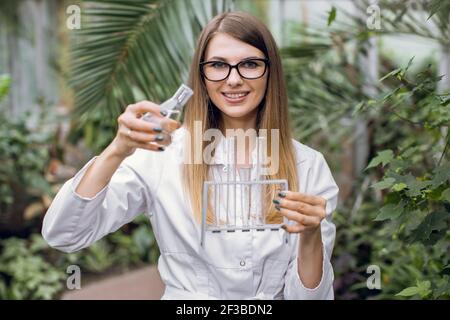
[368,87]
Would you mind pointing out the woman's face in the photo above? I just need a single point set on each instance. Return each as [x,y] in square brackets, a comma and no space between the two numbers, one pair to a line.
[236,97]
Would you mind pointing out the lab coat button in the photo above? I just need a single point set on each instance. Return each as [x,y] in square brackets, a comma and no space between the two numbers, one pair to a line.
[242,263]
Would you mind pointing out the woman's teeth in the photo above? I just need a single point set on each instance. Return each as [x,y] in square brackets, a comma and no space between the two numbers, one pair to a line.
[235,95]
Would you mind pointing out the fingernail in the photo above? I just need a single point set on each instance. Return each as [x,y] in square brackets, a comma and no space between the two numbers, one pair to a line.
[158,129]
[161,148]
[277,206]
[276,201]
[163,113]
[282,194]
[159,137]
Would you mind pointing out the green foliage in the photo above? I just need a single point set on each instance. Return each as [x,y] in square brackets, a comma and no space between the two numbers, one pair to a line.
[331,15]
[415,174]
[25,144]
[24,273]
[411,245]
[422,289]
[5,82]
[384,157]
[24,154]
[438,6]
[30,269]
[427,19]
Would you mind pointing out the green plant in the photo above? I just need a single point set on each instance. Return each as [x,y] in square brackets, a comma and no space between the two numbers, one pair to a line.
[5,83]
[414,176]
[30,269]
[24,273]
[25,142]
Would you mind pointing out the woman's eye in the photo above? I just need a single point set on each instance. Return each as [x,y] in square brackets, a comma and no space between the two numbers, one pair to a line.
[249,64]
[218,65]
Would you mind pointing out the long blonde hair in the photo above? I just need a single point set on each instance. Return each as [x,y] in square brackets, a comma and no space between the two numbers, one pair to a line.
[272,112]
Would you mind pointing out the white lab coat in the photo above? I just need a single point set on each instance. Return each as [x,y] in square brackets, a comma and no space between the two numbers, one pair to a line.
[237,265]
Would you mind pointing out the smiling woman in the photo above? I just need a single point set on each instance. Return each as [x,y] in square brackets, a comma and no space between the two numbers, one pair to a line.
[238,89]
[238,83]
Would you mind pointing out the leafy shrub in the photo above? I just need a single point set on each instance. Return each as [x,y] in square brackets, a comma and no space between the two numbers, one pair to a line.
[30,269]
[24,272]
[24,155]
[414,170]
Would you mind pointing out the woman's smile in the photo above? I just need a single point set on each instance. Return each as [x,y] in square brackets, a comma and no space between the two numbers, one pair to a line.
[237,97]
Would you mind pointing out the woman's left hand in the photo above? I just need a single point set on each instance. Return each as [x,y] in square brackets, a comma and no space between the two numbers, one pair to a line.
[307,210]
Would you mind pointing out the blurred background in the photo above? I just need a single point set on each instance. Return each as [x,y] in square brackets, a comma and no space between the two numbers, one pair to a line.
[368,85]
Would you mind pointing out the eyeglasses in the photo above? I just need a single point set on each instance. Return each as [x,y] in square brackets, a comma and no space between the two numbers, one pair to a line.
[248,69]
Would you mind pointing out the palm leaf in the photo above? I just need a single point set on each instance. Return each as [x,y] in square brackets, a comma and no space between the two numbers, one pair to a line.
[135,49]
[324,85]
[428,19]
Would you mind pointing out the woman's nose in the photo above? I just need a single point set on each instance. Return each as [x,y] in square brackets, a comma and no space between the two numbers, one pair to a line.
[234,78]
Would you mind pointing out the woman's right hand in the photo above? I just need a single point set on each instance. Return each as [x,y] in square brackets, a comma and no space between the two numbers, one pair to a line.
[133,132]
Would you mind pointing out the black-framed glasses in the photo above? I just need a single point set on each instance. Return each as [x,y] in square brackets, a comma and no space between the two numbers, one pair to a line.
[250,69]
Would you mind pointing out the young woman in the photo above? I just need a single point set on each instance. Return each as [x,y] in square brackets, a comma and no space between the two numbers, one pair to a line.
[238,83]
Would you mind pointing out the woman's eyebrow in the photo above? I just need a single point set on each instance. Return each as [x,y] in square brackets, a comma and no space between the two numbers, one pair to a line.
[223,59]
